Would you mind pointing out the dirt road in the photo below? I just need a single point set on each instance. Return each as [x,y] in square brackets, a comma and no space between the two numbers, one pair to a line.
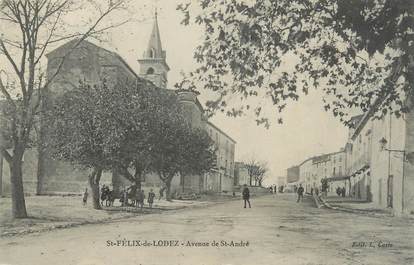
[274,231]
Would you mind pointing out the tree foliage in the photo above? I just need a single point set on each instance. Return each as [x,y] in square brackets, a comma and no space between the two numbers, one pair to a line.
[199,153]
[360,53]
[127,126]
[84,127]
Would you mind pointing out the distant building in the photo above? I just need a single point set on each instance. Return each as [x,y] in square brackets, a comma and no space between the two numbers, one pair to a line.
[281,181]
[312,170]
[307,174]
[241,174]
[292,174]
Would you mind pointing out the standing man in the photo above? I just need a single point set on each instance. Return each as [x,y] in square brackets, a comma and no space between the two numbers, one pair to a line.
[140,199]
[300,193]
[151,196]
[246,196]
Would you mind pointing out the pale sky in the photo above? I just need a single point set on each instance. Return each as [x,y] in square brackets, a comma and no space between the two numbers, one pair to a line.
[307,130]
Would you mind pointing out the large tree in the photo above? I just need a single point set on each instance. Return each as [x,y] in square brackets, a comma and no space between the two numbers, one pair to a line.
[146,111]
[171,133]
[359,52]
[84,129]
[29,29]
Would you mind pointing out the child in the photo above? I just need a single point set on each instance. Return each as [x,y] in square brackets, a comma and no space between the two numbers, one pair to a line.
[151,196]
[85,197]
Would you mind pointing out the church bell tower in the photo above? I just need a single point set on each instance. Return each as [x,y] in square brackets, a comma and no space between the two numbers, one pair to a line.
[153,65]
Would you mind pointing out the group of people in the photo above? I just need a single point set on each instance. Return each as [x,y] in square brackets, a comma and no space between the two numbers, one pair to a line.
[137,196]
[273,189]
[341,191]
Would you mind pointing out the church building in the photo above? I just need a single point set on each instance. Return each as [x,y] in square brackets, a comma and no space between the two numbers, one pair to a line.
[91,63]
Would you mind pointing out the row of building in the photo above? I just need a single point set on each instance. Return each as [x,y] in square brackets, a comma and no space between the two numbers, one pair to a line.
[375,164]
[91,63]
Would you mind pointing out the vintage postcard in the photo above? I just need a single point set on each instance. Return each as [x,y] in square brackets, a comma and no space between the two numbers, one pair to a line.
[206,132]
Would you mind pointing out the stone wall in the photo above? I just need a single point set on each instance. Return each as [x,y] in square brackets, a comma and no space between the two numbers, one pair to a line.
[29,173]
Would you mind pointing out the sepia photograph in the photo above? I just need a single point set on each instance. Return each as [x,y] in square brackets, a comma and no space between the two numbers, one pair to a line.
[207,132]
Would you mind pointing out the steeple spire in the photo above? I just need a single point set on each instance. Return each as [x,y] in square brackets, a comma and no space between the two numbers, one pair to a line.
[153,65]
[154,48]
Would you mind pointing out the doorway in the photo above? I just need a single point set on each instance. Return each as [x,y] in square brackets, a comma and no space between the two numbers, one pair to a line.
[390,191]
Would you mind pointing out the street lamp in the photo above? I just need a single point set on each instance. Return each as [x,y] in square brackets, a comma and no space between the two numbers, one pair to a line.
[383,143]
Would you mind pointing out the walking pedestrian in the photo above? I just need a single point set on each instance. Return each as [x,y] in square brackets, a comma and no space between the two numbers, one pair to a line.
[300,193]
[151,196]
[246,196]
[85,197]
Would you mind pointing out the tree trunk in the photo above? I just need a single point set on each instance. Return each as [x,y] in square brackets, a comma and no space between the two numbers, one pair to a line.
[40,170]
[16,182]
[182,178]
[138,178]
[94,179]
[168,190]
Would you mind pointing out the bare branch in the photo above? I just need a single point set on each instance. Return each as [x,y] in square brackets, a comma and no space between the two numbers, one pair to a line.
[9,58]
[90,34]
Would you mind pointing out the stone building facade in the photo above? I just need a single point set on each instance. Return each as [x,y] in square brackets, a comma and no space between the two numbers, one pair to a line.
[327,166]
[376,164]
[307,175]
[386,145]
[358,152]
[222,178]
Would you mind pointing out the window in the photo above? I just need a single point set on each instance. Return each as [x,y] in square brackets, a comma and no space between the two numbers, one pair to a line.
[152,53]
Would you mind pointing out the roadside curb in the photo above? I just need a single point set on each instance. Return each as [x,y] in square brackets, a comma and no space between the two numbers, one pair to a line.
[319,203]
[354,211]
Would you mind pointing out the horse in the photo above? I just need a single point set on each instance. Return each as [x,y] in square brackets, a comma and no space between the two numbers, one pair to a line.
[108,197]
